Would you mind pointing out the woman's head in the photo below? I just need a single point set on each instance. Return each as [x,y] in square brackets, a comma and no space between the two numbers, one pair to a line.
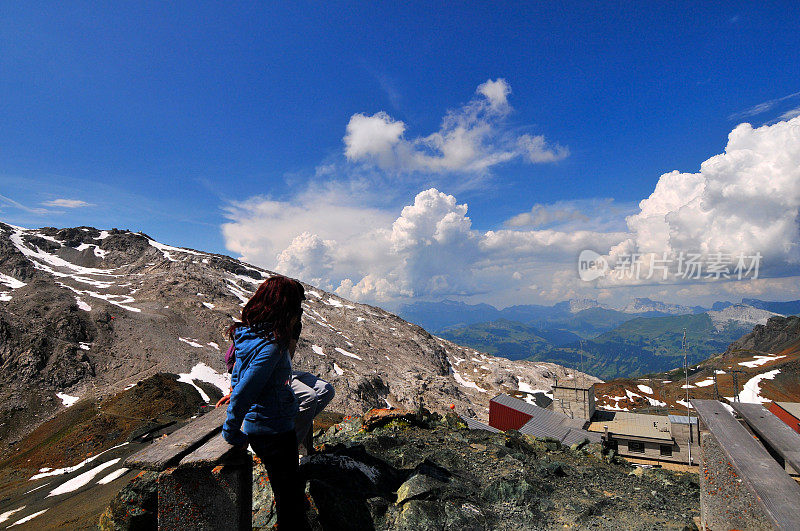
[276,301]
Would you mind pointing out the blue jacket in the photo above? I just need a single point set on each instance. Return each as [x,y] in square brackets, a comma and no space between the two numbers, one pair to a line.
[262,401]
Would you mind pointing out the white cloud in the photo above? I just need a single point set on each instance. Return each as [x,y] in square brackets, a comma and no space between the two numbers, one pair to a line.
[471,139]
[496,92]
[540,215]
[746,199]
[375,135]
[308,257]
[762,107]
[429,249]
[536,149]
[67,203]
[791,113]
[20,206]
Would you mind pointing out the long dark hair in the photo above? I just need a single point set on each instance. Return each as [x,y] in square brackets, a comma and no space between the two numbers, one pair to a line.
[276,301]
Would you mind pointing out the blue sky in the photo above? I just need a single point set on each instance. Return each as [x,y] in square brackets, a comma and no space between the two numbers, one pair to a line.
[176,119]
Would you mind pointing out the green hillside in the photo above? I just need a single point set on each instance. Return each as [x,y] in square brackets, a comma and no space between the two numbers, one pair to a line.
[638,346]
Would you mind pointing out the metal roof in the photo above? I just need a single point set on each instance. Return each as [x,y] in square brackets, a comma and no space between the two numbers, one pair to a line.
[577,436]
[793,408]
[635,424]
[516,403]
[682,419]
[474,424]
[546,423]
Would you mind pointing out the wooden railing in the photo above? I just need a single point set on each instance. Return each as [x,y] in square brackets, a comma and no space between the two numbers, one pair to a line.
[204,483]
[742,486]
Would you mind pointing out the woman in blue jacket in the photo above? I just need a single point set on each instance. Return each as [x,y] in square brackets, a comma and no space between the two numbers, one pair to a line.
[262,407]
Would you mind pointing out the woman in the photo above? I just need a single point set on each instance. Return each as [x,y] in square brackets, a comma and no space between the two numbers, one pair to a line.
[262,406]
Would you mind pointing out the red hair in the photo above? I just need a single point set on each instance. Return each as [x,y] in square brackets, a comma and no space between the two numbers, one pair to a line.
[273,306]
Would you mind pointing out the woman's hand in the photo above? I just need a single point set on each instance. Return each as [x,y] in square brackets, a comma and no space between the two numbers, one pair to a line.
[224,400]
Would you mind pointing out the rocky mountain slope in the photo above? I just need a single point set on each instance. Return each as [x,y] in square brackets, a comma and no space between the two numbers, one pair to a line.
[766,364]
[86,313]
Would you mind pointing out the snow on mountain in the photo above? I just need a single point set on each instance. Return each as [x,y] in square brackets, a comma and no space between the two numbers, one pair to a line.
[578,305]
[645,305]
[740,313]
[143,307]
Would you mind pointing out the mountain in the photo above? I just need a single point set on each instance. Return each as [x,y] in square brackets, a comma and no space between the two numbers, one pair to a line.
[783,308]
[509,339]
[766,361]
[610,343]
[583,317]
[653,344]
[86,313]
[644,305]
[435,316]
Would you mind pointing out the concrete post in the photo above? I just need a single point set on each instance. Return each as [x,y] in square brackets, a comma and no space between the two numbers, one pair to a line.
[206,498]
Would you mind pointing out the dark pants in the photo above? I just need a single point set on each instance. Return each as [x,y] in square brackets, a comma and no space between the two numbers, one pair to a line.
[278,453]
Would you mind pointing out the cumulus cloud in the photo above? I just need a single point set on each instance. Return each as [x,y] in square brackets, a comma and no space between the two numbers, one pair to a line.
[308,257]
[67,203]
[471,139]
[429,249]
[743,201]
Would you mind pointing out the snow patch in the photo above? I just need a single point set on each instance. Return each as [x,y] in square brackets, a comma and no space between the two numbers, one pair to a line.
[112,476]
[338,370]
[348,354]
[165,250]
[6,515]
[208,305]
[467,383]
[70,469]
[759,360]
[645,389]
[705,383]
[204,373]
[29,518]
[82,305]
[11,282]
[66,399]
[318,349]
[752,389]
[81,480]
[190,342]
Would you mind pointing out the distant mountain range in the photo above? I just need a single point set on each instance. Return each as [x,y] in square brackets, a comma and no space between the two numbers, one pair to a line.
[642,337]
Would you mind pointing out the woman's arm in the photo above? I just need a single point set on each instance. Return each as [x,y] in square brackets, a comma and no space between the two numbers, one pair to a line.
[251,382]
